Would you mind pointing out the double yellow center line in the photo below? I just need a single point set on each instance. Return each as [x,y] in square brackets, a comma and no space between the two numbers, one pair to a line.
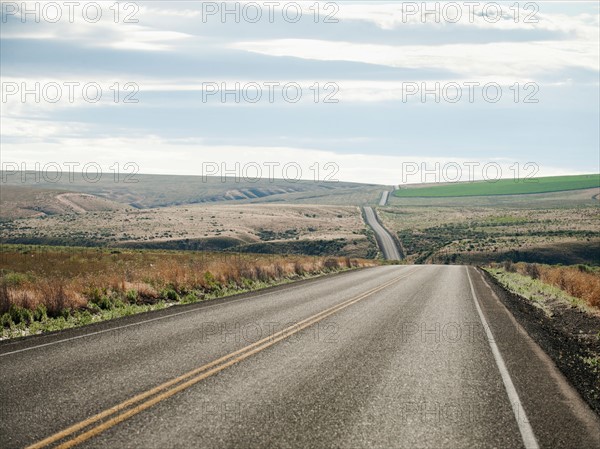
[147,399]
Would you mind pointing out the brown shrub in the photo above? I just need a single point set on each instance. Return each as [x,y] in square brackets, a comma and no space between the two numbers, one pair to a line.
[5,301]
[509,266]
[331,263]
[533,270]
[24,297]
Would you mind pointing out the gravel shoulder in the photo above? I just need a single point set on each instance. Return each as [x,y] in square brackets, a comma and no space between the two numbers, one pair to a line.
[568,334]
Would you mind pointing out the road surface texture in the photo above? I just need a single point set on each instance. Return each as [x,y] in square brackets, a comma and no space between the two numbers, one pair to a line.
[385,357]
[384,239]
[384,198]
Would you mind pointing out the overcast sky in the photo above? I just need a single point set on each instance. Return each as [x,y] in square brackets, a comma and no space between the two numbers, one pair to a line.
[364,114]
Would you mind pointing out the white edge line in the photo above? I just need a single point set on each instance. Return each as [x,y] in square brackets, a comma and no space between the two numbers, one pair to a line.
[519,411]
[196,309]
[120,327]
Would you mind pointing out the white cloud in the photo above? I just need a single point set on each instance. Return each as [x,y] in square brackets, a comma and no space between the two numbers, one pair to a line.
[502,59]
[105,33]
[39,130]
[482,15]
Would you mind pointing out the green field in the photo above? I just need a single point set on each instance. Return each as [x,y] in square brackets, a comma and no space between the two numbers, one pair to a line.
[503,187]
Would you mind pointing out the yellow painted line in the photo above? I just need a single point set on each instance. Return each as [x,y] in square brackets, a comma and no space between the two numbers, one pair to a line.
[60,435]
[223,362]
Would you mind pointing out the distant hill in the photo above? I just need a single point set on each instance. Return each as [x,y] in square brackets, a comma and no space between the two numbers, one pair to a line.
[150,191]
[25,202]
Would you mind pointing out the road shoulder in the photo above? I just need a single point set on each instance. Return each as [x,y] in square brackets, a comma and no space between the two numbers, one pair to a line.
[547,395]
[567,334]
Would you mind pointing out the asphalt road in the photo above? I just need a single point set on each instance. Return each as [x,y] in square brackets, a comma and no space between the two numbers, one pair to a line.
[385,357]
[384,198]
[384,239]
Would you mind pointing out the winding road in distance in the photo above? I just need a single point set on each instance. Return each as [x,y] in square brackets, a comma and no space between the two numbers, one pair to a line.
[384,239]
[384,357]
[384,197]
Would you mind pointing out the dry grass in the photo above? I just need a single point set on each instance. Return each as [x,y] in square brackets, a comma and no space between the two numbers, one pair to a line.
[578,281]
[237,224]
[62,279]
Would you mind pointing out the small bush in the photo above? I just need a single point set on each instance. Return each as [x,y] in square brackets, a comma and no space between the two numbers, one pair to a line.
[190,298]
[40,313]
[299,268]
[13,279]
[584,268]
[20,315]
[509,266]
[131,296]
[170,294]
[533,270]
[104,302]
[210,282]
[6,320]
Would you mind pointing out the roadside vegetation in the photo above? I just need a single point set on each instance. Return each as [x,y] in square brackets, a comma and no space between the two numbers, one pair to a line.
[46,288]
[559,306]
[578,285]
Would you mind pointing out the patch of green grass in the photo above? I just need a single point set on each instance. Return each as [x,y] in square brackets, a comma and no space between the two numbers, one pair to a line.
[504,187]
[594,362]
[14,279]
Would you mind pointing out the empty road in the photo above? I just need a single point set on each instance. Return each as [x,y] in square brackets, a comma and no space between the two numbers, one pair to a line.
[385,357]
[384,198]
[386,243]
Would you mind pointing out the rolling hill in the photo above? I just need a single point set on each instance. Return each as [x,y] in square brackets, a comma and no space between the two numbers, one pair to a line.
[148,191]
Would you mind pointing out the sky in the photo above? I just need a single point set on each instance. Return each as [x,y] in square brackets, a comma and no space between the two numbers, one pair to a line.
[377,92]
